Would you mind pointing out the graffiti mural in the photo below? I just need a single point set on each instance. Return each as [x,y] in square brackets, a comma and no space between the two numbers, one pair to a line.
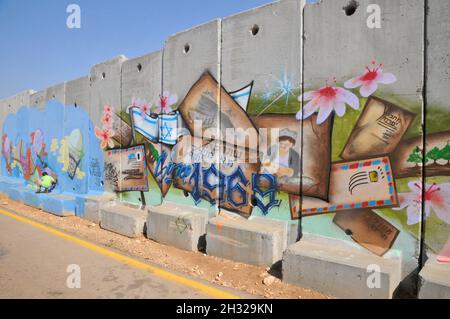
[31,146]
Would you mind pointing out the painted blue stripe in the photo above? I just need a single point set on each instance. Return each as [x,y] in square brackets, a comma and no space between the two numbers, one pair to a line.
[169,119]
[236,96]
[146,134]
[377,162]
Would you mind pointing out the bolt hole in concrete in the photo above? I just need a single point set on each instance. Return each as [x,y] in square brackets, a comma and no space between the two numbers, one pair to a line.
[186,194]
[186,48]
[350,8]
[348,232]
[254,30]
[53,96]
[75,104]
[139,67]
[103,75]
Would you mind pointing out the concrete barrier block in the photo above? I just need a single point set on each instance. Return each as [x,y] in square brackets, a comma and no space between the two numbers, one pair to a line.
[265,38]
[8,182]
[77,92]
[56,92]
[338,268]
[105,89]
[92,204]
[14,194]
[435,280]
[124,220]
[32,199]
[58,204]
[258,241]
[191,53]
[178,225]
[38,99]
[141,78]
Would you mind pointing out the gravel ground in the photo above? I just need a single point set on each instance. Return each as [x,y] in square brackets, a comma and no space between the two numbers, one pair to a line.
[255,280]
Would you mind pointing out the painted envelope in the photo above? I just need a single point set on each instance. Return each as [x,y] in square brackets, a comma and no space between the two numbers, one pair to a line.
[201,104]
[368,229]
[353,185]
[378,131]
[126,169]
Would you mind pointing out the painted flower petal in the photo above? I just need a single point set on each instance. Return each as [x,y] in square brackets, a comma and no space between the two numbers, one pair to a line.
[386,78]
[347,97]
[324,113]
[368,88]
[307,110]
[173,98]
[413,215]
[110,143]
[98,133]
[307,96]
[353,83]
[442,211]
[340,109]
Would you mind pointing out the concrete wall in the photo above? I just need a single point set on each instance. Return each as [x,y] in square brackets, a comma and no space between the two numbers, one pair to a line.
[354,152]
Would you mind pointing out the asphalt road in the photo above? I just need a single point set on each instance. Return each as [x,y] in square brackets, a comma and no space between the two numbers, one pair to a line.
[34,263]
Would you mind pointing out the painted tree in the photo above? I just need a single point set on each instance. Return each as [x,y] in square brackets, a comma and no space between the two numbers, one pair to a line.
[434,154]
[415,156]
[445,153]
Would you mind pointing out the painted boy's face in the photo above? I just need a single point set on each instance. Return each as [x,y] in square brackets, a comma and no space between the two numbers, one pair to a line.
[285,146]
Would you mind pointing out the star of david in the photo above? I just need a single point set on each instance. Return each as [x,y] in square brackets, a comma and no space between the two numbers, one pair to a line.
[166,131]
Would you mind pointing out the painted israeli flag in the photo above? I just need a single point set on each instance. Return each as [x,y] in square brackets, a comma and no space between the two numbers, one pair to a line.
[242,96]
[145,124]
[168,128]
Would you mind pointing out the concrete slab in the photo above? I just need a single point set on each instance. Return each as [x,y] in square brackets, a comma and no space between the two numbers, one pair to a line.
[92,204]
[31,198]
[56,92]
[338,268]
[435,280]
[178,225]
[58,204]
[121,219]
[258,241]
[77,92]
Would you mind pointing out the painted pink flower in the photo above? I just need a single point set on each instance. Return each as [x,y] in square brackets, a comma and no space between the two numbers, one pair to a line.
[165,102]
[370,79]
[135,102]
[145,108]
[107,109]
[107,120]
[437,197]
[105,135]
[325,100]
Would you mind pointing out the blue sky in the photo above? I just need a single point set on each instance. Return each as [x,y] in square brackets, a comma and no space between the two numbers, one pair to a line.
[38,50]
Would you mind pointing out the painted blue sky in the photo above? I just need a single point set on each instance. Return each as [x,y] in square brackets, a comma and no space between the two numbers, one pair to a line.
[38,50]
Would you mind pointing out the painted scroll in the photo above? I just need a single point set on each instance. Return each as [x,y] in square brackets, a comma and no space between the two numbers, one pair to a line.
[378,131]
[367,229]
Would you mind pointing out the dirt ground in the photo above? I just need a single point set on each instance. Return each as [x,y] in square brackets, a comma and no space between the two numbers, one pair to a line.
[255,280]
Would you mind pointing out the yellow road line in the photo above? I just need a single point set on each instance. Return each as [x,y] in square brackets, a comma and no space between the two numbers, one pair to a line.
[217,293]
